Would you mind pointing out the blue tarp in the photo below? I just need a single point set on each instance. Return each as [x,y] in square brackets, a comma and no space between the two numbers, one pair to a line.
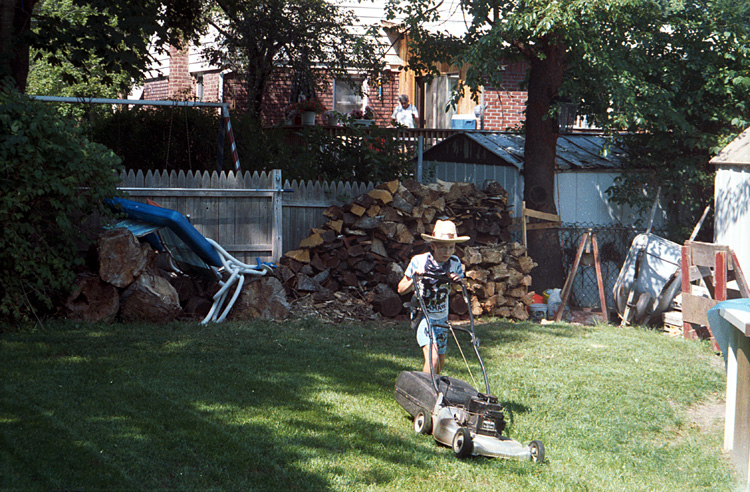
[193,242]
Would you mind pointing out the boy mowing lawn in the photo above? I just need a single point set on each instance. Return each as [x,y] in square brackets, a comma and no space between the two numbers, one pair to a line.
[439,261]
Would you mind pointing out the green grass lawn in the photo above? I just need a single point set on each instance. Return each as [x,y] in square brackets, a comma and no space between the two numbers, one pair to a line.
[302,405]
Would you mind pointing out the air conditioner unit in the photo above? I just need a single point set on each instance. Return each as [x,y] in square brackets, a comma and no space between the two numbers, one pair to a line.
[464,122]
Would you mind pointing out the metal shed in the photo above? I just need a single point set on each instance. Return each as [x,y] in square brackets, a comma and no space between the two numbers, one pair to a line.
[732,198]
[586,166]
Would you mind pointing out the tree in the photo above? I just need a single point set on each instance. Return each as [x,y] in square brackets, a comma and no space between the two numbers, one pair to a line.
[686,100]
[603,55]
[118,34]
[312,38]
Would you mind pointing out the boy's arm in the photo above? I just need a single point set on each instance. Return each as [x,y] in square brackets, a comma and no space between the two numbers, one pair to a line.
[405,285]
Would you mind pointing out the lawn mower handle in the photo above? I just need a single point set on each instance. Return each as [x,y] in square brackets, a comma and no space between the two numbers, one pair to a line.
[474,339]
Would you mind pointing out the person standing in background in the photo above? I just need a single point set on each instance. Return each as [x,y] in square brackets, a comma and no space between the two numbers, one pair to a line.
[405,114]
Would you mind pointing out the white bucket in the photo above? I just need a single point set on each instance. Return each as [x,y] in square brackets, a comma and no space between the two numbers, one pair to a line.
[537,312]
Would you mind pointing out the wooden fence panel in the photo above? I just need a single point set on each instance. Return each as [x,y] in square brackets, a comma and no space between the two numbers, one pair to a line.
[305,202]
[249,215]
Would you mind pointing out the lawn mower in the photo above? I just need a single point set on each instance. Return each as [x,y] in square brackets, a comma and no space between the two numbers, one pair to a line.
[453,411]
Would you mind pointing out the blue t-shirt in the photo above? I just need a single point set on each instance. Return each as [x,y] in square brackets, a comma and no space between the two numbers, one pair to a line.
[435,294]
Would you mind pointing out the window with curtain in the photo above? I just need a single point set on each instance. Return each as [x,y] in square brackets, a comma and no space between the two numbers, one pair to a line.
[345,97]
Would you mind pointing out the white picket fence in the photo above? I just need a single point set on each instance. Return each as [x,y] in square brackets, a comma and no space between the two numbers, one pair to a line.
[251,215]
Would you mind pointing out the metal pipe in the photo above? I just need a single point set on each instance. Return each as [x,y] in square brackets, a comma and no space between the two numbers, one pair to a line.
[135,102]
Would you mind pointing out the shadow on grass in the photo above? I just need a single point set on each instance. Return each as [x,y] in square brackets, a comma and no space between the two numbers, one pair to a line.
[232,406]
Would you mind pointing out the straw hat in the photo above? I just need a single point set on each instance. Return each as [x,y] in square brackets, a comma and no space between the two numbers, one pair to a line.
[445,232]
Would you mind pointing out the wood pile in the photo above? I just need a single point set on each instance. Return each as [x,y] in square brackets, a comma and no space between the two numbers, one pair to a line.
[132,282]
[365,245]
[127,284]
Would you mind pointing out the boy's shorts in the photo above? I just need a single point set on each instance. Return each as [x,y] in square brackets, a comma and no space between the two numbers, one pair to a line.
[440,334]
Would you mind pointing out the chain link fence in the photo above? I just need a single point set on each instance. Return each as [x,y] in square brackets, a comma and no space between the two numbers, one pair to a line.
[613,244]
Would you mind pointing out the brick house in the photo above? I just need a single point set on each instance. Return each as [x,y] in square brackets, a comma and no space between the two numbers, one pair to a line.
[184,74]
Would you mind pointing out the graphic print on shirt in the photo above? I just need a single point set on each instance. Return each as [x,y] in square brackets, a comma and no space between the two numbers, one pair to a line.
[435,293]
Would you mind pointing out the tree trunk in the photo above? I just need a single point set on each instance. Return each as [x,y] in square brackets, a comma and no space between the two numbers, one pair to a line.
[540,152]
[15,21]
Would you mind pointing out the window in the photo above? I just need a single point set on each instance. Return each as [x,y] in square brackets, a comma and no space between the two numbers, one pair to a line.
[345,97]
[199,87]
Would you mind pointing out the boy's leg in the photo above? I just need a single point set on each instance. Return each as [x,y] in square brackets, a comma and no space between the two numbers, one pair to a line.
[440,336]
[437,359]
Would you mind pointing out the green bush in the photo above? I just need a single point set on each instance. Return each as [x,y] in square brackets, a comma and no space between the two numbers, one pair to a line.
[314,153]
[51,179]
[171,138]
[159,138]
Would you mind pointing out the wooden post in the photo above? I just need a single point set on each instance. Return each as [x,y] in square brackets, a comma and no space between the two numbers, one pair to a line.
[277,221]
[686,288]
[569,281]
[599,278]
[720,276]
[523,224]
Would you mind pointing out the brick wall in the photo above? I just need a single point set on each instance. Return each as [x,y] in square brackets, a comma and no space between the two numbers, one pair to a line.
[156,90]
[181,83]
[505,105]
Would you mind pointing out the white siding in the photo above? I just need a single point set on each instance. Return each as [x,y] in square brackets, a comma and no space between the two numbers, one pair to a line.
[582,197]
[732,211]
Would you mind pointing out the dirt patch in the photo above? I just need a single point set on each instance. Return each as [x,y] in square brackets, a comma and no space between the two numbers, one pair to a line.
[708,416]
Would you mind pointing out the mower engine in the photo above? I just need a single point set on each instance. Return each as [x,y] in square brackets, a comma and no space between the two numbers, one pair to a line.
[483,414]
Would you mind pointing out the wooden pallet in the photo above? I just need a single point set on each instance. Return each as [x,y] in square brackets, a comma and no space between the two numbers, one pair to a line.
[712,266]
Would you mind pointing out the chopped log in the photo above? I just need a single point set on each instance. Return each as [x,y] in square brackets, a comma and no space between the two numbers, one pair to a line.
[478,275]
[334,212]
[457,305]
[391,214]
[384,196]
[391,186]
[150,298]
[520,312]
[385,301]
[394,275]
[317,262]
[92,300]
[377,247]
[335,225]
[311,241]
[263,298]
[357,210]
[307,284]
[401,203]
[476,306]
[300,255]
[472,256]
[403,235]
[121,257]
[367,223]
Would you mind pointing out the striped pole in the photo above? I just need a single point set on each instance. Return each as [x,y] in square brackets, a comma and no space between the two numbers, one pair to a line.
[230,134]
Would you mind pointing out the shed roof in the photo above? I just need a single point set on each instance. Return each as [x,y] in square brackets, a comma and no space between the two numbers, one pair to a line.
[574,152]
[737,152]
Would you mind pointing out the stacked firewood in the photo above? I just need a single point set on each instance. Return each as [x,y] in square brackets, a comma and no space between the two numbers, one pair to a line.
[365,245]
